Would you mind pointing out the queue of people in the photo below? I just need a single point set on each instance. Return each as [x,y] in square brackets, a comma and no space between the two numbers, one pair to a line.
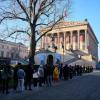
[70,71]
[20,78]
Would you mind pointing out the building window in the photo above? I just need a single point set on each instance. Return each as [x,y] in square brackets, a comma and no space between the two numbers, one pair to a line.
[2,53]
[7,47]
[17,56]
[2,46]
[12,55]
[7,55]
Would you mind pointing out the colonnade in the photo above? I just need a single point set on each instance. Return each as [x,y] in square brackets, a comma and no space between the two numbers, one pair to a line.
[69,40]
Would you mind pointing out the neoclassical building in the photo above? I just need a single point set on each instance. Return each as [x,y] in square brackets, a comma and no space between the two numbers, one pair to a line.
[13,50]
[75,41]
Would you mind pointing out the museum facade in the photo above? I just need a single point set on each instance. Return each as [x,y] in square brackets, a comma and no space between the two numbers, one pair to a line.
[72,40]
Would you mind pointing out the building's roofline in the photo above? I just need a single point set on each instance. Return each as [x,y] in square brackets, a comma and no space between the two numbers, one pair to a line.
[9,42]
[93,33]
[71,23]
[66,24]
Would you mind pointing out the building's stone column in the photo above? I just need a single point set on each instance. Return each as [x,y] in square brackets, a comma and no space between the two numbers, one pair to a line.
[58,40]
[78,38]
[74,41]
[42,40]
[67,42]
[52,41]
[86,40]
[71,39]
[46,41]
[64,41]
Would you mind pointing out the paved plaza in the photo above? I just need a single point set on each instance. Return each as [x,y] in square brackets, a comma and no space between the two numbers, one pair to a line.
[86,87]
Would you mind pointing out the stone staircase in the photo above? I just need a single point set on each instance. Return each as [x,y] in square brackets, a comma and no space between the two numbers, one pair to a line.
[71,57]
[71,60]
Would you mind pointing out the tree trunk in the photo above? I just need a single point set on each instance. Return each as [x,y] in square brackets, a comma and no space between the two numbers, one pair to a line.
[32,47]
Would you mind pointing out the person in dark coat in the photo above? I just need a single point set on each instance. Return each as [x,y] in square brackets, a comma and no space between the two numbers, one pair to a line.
[28,78]
[49,70]
[6,75]
[78,70]
[70,72]
[0,82]
[66,72]
[35,78]
[15,78]
[45,75]
[60,69]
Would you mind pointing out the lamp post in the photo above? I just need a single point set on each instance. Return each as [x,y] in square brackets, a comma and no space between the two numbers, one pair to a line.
[53,45]
[71,48]
[63,50]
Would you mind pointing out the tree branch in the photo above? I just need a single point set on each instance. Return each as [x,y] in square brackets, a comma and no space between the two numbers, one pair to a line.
[22,7]
[50,29]
[12,17]
[18,31]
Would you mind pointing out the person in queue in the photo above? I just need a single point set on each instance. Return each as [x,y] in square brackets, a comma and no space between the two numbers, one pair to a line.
[21,76]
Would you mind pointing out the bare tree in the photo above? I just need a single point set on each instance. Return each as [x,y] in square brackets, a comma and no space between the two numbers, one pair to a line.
[28,16]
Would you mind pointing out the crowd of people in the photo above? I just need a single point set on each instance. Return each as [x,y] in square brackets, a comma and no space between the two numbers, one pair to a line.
[22,78]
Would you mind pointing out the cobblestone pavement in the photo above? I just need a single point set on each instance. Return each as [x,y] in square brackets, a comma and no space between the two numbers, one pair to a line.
[86,87]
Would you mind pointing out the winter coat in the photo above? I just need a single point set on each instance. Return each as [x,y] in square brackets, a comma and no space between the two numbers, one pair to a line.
[20,74]
[56,73]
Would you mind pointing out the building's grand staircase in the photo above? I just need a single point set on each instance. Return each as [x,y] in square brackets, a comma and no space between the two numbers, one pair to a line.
[72,57]
[71,61]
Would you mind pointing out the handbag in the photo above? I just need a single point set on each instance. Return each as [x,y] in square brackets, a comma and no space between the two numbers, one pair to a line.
[35,75]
